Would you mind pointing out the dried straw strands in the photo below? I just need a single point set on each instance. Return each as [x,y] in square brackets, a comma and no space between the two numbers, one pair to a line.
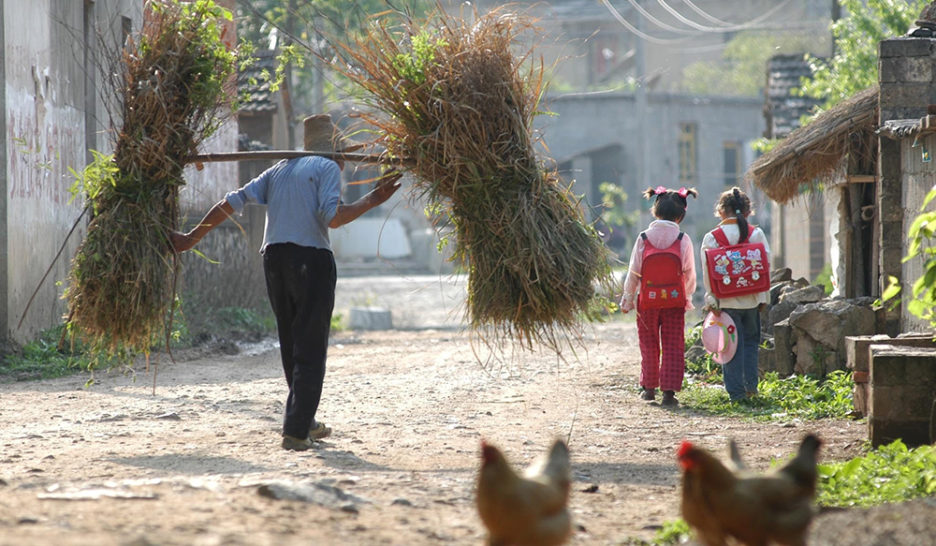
[170,90]
[453,97]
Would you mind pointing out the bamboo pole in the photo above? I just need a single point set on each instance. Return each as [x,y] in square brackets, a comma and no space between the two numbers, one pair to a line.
[260,155]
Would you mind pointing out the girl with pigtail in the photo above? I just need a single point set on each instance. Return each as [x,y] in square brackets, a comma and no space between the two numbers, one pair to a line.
[740,372]
[660,282]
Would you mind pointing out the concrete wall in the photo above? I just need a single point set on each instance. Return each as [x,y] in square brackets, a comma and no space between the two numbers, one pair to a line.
[599,134]
[51,80]
[918,178]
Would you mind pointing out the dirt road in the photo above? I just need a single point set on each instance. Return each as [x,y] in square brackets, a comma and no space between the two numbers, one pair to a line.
[198,462]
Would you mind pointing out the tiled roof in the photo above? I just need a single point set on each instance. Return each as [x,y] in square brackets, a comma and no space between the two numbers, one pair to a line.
[784,109]
[257,94]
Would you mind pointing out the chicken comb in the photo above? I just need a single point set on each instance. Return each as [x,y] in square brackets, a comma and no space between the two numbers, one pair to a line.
[684,448]
[682,455]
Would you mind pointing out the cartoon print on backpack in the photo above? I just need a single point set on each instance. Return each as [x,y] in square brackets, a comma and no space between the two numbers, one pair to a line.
[736,269]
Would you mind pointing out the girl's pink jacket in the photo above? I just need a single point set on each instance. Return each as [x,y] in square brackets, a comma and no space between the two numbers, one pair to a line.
[661,234]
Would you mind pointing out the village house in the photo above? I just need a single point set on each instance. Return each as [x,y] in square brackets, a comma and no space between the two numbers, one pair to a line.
[622,116]
[634,136]
[869,158]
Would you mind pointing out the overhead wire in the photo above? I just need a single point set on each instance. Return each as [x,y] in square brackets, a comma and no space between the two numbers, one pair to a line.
[636,31]
[649,17]
[705,15]
[753,23]
[699,28]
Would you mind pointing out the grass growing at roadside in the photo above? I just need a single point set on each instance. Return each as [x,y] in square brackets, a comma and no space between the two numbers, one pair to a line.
[46,357]
[43,359]
[891,473]
[798,396]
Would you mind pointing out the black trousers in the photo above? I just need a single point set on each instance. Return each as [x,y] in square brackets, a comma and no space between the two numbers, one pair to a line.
[301,286]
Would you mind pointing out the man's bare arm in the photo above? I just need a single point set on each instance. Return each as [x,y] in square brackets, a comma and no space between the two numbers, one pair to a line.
[387,186]
[215,215]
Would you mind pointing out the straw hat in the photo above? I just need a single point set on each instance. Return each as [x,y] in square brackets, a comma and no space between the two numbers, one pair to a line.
[321,135]
[720,336]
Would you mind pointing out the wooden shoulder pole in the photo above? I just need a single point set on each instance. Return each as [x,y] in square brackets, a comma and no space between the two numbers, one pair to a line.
[261,155]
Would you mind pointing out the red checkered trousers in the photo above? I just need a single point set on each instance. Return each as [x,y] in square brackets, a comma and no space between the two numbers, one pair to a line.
[662,331]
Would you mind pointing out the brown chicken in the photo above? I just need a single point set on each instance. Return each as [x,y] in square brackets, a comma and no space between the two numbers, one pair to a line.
[756,510]
[529,509]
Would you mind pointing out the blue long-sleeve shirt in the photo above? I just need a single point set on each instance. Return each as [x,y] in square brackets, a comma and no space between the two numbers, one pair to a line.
[301,196]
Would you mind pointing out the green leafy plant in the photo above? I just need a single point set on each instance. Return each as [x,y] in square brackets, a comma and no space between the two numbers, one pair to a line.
[740,71]
[53,354]
[795,397]
[704,369]
[824,278]
[891,473]
[414,63]
[857,35]
[920,234]
[43,358]
[614,206]
[245,320]
[674,531]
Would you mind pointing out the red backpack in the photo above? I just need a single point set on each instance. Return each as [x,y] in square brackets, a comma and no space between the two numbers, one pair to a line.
[739,269]
[661,283]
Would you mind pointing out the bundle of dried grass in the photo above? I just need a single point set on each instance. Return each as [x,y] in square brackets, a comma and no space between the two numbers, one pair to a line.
[171,89]
[454,98]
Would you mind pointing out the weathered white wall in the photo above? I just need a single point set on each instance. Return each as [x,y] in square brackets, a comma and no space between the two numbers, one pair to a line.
[44,104]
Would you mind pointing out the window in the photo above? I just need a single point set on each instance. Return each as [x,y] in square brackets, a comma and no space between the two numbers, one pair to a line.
[126,28]
[687,153]
[732,162]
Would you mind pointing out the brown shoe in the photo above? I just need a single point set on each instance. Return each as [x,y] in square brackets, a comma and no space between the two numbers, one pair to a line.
[291,443]
[647,394]
[669,399]
[319,430]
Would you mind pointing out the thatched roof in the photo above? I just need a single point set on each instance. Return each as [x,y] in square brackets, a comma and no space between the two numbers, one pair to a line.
[816,150]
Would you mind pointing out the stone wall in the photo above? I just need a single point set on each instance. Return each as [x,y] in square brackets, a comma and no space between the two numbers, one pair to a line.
[902,394]
[805,330]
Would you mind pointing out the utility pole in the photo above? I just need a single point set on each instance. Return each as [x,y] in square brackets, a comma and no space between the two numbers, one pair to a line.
[288,80]
[836,15]
[318,99]
[640,102]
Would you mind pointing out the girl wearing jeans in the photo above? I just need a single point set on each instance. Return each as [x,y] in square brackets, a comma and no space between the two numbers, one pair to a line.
[740,373]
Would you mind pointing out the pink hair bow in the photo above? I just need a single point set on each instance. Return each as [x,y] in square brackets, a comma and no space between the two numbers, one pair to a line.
[659,190]
[683,192]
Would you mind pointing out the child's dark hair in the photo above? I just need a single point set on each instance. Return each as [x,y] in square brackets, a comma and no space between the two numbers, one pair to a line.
[670,204]
[735,202]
